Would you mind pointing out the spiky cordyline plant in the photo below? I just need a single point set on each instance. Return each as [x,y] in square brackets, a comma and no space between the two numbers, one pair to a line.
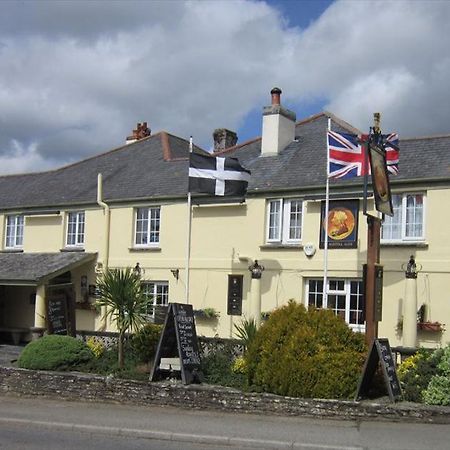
[125,303]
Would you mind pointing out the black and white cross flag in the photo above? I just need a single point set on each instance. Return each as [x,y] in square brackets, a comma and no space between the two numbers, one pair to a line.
[217,176]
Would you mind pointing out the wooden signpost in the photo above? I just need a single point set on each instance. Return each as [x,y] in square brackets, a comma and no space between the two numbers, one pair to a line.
[179,344]
[380,355]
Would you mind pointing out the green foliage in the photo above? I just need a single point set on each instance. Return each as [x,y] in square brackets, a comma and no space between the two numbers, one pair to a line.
[96,345]
[54,352]
[217,367]
[416,372]
[310,354]
[145,341]
[126,305]
[438,391]
[246,331]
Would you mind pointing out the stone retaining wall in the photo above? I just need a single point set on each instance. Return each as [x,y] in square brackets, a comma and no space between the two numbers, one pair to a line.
[87,387]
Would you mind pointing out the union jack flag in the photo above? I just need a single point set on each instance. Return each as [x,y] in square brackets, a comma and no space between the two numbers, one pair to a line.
[346,154]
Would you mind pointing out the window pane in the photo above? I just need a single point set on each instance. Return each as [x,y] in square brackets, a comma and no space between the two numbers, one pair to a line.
[315,293]
[414,215]
[295,220]
[392,226]
[275,220]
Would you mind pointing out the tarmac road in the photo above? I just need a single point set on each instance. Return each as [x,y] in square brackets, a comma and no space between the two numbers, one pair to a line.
[32,423]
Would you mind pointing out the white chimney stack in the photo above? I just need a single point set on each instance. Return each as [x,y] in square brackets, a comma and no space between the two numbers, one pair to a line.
[278,129]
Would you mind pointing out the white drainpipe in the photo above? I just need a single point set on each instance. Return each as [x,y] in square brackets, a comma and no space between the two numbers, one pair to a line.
[106,237]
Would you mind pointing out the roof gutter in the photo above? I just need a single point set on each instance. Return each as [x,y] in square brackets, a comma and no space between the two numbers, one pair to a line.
[106,235]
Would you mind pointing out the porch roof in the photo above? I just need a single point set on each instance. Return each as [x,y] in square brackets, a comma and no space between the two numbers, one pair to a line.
[36,268]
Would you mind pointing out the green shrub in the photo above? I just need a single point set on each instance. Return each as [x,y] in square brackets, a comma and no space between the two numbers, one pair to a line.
[217,368]
[416,372]
[246,331]
[310,354]
[54,352]
[145,341]
[438,389]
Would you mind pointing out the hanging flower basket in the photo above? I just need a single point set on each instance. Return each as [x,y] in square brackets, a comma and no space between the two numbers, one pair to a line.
[430,326]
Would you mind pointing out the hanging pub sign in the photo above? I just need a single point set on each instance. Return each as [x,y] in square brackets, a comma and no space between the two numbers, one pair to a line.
[380,356]
[380,180]
[178,349]
[342,224]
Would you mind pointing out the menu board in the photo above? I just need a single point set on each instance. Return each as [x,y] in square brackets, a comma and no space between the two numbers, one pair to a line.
[179,340]
[380,355]
[57,314]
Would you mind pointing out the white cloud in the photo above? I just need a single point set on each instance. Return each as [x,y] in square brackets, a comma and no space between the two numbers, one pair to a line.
[76,77]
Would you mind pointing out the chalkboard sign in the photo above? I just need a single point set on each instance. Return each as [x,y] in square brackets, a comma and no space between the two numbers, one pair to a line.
[380,355]
[60,317]
[57,314]
[179,340]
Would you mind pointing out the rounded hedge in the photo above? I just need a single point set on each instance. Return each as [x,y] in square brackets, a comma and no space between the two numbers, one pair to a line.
[54,352]
[306,353]
[145,341]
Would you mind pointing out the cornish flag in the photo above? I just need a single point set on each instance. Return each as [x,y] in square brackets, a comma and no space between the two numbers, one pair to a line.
[217,176]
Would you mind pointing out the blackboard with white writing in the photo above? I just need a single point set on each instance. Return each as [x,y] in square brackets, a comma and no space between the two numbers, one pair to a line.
[179,340]
[57,314]
[380,356]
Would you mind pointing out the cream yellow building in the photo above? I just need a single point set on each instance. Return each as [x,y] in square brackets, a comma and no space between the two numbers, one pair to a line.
[64,227]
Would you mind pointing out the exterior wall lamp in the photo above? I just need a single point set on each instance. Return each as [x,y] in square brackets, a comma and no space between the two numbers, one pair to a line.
[175,273]
[411,268]
[256,270]
[138,270]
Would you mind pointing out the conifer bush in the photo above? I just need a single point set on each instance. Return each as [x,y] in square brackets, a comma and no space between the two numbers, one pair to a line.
[54,352]
[145,341]
[306,353]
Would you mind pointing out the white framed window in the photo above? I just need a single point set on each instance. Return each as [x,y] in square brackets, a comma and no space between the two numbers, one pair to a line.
[158,294]
[408,222]
[284,221]
[345,299]
[75,229]
[14,231]
[148,223]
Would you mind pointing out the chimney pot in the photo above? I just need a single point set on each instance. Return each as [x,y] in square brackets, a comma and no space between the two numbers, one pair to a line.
[276,93]
[223,139]
[141,131]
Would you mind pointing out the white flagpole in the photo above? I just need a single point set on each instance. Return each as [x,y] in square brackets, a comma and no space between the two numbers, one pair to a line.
[188,243]
[327,209]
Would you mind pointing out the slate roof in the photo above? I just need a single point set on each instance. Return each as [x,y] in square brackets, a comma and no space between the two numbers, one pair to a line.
[156,167]
[33,268]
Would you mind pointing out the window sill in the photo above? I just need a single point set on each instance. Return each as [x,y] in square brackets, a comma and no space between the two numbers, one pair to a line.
[72,249]
[404,244]
[12,250]
[144,249]
[281,247]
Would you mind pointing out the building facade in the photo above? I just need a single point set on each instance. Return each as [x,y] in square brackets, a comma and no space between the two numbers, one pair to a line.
[64,227]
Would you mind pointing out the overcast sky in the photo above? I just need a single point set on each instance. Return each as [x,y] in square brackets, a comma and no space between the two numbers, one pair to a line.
[76,77]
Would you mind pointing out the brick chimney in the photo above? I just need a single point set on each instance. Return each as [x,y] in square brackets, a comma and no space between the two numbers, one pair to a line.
[224,138]
[141,131]
[278,129]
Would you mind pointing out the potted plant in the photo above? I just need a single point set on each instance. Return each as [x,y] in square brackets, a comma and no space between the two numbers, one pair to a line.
[206,313]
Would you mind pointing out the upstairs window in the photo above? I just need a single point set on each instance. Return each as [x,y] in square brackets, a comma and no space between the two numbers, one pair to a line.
[148,221]
[284,221]
[75,229]
[14,231]
[407,224]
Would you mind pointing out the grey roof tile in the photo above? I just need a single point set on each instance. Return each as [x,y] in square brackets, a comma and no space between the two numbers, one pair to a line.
[157,167]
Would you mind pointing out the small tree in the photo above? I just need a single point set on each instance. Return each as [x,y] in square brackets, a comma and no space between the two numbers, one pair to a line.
[126,305]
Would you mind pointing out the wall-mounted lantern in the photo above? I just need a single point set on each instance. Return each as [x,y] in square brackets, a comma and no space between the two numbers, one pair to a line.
[175,273]
[411,268]
[256,270]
